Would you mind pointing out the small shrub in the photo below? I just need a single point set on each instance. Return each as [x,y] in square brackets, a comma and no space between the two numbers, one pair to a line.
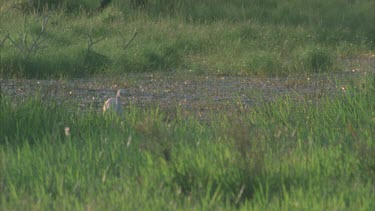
[95,62]
[52,63]
[316,59]
[164,59]
[168,58]
[264,63]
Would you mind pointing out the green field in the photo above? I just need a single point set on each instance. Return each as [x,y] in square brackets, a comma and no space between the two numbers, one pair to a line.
[259,37]
[299,150]
[279,155]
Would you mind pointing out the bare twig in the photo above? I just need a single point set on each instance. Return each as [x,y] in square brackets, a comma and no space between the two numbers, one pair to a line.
[5,38]
[131,40]
[36,42]
[91,42]
[40,38]
[18,45]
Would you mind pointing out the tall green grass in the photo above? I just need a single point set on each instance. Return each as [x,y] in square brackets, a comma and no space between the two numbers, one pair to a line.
[270,38]
[285,154]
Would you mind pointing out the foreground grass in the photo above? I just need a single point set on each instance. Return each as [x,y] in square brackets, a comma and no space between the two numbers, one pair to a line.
[279,155]
[214,36]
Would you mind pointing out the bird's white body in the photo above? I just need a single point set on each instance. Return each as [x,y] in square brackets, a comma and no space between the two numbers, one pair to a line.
[114,104]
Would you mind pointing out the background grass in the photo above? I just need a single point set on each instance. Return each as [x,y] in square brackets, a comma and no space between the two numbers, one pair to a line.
[279,155]
[213,36]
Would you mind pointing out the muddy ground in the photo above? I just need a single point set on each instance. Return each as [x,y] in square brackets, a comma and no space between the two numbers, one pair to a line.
[190,92]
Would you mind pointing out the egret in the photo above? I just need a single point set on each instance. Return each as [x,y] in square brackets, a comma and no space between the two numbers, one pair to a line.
[114,104]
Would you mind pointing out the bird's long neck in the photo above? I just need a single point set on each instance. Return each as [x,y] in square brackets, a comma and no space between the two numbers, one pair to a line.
[118,98]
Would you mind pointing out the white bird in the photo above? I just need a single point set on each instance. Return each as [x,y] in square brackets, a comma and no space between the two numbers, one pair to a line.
[114,104]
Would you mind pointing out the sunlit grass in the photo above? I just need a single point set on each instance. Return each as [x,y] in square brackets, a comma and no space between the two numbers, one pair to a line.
[284,154]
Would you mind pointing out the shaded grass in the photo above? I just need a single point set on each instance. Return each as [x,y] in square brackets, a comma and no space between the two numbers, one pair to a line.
[279,155]
[268,38]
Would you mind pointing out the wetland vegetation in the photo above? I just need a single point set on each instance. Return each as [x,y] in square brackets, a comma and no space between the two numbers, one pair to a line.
[263,38]
[249,105]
